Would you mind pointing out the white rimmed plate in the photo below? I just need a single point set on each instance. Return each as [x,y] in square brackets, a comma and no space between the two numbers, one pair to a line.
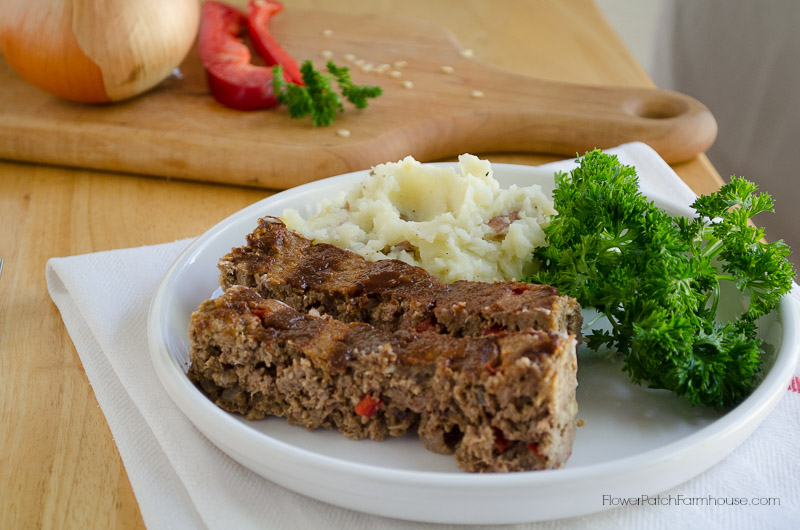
[635,441]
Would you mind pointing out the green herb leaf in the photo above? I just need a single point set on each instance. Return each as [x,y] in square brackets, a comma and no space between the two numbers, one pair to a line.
[658,278]
[297,100]
[317,98]
[357,95]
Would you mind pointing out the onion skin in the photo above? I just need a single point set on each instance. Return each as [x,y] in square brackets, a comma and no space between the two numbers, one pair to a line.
[96,51]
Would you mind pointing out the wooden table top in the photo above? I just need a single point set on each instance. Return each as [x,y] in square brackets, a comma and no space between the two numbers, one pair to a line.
[59,465]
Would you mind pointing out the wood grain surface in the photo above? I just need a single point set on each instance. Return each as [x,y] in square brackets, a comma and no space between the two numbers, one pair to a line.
[59,466]
[179,130]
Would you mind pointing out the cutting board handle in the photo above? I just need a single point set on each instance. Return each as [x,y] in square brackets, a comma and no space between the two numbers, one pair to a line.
[536,115]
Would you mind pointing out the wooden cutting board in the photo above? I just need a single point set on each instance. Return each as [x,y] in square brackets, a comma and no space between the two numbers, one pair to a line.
[178,130]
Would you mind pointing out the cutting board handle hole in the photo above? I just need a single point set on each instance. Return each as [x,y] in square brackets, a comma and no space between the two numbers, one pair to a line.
[661,108]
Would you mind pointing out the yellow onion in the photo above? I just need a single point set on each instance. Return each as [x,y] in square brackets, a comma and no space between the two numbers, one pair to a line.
[96,50]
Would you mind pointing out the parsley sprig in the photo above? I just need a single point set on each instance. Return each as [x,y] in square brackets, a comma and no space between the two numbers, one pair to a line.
[355,94]
[317,98]
[658,279]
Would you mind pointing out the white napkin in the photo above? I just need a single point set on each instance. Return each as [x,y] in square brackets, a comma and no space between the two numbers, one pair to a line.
[181,480]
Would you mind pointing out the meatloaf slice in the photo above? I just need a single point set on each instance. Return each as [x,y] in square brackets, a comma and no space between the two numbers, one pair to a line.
[500,402]
[389,294]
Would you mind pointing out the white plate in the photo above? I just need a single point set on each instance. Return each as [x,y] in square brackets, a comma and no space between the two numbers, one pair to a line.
[635,441]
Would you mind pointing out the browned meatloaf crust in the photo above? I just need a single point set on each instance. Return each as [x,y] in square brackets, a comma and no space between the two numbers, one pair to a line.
[389,294]
[500,402]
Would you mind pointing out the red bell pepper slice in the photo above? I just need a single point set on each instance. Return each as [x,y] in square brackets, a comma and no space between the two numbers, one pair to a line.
[258,14]
[232,79]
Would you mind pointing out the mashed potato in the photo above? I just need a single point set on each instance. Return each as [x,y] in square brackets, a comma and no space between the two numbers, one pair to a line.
[457,224]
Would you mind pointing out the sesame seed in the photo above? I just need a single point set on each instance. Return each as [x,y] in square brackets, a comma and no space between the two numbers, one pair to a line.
[367,67]
[477,94]
[400,64]
[326,54]
[361,62]
[327,32]
[349,57]
[408,84]
[344,133]
[395,73]
[467,52]
[447,69]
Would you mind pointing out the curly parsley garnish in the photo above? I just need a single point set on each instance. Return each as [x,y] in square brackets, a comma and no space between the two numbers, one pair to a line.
[657,278]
